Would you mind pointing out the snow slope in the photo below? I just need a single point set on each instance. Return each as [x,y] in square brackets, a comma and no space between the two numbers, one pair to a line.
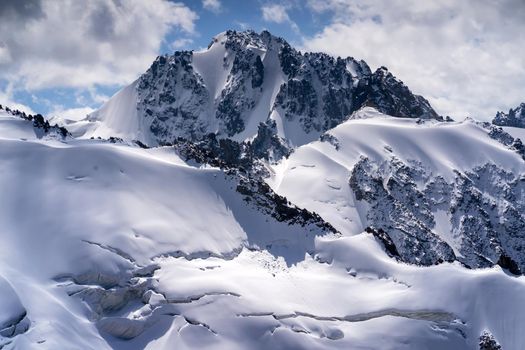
[110,246]
[118,117]
[324,169]
[209,64]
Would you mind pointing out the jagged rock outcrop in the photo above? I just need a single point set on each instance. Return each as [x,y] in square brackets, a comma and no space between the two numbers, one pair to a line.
[267,144]
[385,240]
[488,342]
[485,209]
[390,96]
[498,134]
[400,209]
[515,117]
[41,124]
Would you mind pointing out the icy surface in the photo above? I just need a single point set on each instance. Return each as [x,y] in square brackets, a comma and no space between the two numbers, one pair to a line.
[108,245]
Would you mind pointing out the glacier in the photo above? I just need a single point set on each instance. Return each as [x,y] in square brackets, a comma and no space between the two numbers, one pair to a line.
[268,199]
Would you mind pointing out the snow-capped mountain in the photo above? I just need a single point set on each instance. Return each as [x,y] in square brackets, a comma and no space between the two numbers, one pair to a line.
[251,196]
[514,118]
[244,80]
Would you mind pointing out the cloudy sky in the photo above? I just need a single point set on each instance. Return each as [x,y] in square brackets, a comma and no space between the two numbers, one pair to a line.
[68,56]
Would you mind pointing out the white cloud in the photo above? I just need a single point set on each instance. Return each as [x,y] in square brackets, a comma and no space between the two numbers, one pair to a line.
[83,97]
[242,25]
[181,43]
[5,56]
[97,97]
[79,44]
[277,13]
[6,100]
[212,5]
[466,56]
[60,113]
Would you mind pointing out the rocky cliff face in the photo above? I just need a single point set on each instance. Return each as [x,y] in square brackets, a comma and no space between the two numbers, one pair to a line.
[390,96]
[515,117]
[483,211]
[245,79]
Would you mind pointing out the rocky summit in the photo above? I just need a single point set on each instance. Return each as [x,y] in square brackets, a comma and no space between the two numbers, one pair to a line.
[245,81]
[515,117]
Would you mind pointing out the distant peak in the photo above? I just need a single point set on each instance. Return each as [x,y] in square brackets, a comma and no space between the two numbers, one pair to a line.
[515,117]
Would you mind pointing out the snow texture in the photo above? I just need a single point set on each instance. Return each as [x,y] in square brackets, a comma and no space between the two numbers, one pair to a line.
[288,201]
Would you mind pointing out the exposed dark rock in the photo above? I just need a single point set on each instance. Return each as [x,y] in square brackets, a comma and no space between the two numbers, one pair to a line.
[140,144]
[331,139]
[515,117]
[40,123]
[267,145]
[385,239]
[239,162]
[257,73]
[488,342]
[114,139]
[485,207]
[390,96]
[259,193]
[398,207]
[498,134]
[507,263]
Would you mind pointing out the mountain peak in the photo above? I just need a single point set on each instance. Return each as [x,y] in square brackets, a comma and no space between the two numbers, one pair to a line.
[246,39]
[245,79]
[515,117]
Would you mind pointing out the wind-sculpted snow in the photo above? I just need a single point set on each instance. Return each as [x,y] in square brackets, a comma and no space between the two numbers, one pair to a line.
[90,216]
[13,319]
[244,80]
[108,244]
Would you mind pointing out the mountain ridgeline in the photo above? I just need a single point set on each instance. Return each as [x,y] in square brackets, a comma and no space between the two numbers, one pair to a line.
[514,118]
[251,97]
[246,83]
